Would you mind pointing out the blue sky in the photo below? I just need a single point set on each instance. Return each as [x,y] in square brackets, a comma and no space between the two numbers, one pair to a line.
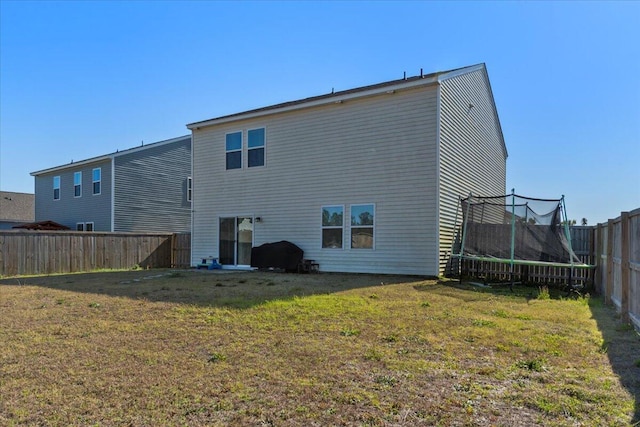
[82,79]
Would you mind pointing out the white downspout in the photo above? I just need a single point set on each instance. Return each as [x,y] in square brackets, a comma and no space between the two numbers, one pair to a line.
[113,192]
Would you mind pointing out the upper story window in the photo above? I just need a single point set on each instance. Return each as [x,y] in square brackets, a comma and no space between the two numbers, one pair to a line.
[362,226]
[189,189]
[332,226]
[256,146]
[234,150]
[77,184]
[56,188]
[97,180]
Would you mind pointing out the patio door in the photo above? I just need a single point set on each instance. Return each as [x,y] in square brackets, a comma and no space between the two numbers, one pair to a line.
[236,240]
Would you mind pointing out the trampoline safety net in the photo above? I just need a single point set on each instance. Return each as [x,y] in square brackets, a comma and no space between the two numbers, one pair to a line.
[515,230]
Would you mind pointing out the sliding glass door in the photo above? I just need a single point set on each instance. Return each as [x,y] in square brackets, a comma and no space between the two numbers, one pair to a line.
[236,240]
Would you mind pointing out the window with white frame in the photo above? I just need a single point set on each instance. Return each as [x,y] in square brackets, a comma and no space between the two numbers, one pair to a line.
[362,226]
[84,226]
[189,189]
[332,226]
[56,188]
[256,146]
[77,184]
[97,180]
[233,143]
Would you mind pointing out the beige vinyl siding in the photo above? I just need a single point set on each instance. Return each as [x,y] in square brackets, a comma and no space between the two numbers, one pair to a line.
[472,151]
[379,150]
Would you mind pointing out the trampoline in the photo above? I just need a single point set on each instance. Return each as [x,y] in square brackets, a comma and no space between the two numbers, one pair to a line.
[516,231]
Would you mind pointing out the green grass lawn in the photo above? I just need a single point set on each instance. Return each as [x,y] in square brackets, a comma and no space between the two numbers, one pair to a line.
[200,348]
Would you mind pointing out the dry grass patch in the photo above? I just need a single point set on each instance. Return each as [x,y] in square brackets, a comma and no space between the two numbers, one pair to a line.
[167,348]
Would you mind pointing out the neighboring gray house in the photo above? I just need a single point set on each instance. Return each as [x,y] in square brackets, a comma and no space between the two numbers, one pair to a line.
[15,209]
[142,189]
[363,180]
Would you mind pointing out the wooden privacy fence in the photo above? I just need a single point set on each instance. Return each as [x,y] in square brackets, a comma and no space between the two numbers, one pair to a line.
[48,252]
[617,251]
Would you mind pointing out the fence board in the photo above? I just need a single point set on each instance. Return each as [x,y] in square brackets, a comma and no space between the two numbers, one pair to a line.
[180,250]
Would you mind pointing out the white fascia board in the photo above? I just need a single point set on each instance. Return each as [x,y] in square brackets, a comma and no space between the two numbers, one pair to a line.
[337,99]
[460,71]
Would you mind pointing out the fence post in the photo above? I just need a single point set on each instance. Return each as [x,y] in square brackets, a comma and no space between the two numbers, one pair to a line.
[598,237]
[608,291]
[172,261]
[591,273]
[625,277]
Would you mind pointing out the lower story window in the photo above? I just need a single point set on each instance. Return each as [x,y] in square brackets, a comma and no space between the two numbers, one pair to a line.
[362,226]
[332,226]
[84,226]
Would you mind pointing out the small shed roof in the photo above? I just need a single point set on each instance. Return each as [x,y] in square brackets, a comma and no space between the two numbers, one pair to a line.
[42,225]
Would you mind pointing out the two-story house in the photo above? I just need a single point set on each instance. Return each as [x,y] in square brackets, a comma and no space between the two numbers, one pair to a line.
[142,189]
[363,180]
